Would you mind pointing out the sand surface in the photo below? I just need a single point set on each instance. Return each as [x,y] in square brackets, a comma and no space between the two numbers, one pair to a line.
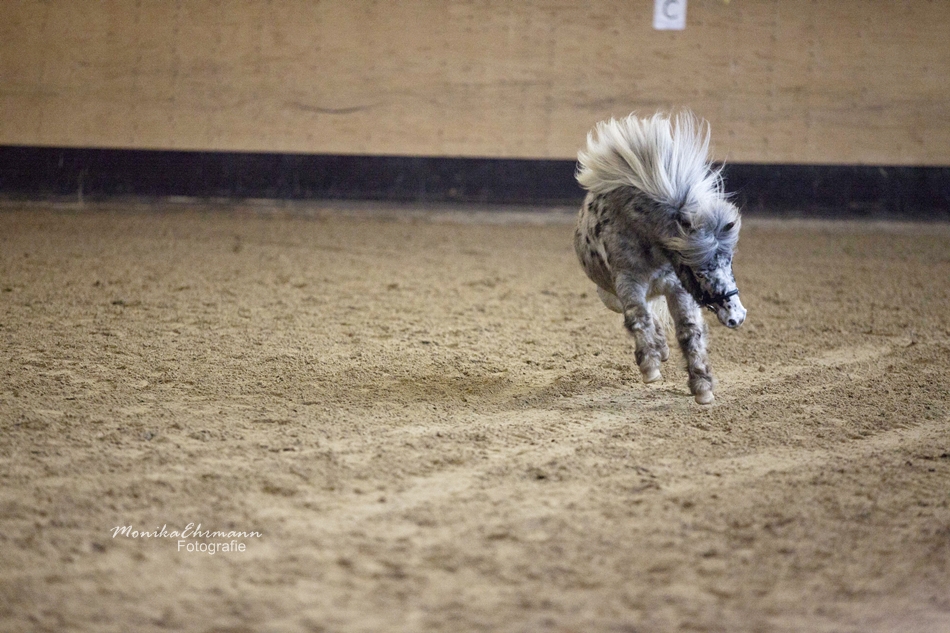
[435,425]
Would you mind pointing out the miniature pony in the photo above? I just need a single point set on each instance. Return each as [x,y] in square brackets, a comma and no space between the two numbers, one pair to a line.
[657,225]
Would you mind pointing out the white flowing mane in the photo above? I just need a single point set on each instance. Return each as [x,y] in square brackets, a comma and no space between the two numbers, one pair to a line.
[666,158]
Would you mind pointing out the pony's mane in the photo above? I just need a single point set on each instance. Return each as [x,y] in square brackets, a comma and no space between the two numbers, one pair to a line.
[707,238]
[667,158]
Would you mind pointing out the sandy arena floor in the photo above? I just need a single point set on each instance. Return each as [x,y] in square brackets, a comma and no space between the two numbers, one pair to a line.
[435,425]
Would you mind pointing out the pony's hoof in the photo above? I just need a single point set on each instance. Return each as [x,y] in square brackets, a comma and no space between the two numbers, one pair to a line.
[664,355]
[652,375]
[705,397]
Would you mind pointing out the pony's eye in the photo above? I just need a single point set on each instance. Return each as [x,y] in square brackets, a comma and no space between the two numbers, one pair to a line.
[729,226]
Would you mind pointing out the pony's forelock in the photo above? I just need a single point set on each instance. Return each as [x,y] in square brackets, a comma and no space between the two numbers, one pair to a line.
[705,234]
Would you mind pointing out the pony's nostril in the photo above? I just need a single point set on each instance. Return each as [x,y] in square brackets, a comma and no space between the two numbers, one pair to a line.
[732,323]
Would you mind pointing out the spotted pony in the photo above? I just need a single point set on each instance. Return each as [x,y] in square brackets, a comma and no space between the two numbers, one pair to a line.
[656,234]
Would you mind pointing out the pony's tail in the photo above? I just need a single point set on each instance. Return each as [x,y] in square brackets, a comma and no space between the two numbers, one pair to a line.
[665,157]
[661,314]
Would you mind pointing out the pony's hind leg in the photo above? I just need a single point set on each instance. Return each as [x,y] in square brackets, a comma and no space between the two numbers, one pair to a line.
[691,336]
[610,300]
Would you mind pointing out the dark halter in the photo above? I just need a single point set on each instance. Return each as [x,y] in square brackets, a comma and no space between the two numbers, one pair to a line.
[705,300]
[712,301]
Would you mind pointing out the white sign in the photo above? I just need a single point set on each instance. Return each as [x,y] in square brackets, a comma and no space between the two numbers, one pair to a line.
[669,15]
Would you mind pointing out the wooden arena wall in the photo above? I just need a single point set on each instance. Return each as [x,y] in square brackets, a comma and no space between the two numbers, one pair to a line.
[849,82]
[817,107]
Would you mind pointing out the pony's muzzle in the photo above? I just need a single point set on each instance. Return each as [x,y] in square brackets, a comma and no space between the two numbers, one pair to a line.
[730,312]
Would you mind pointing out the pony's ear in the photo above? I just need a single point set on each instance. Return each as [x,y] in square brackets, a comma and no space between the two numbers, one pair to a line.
[684,220]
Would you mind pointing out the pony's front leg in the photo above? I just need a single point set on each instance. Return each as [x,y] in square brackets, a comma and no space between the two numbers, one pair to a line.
[691,336]
[639,321]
